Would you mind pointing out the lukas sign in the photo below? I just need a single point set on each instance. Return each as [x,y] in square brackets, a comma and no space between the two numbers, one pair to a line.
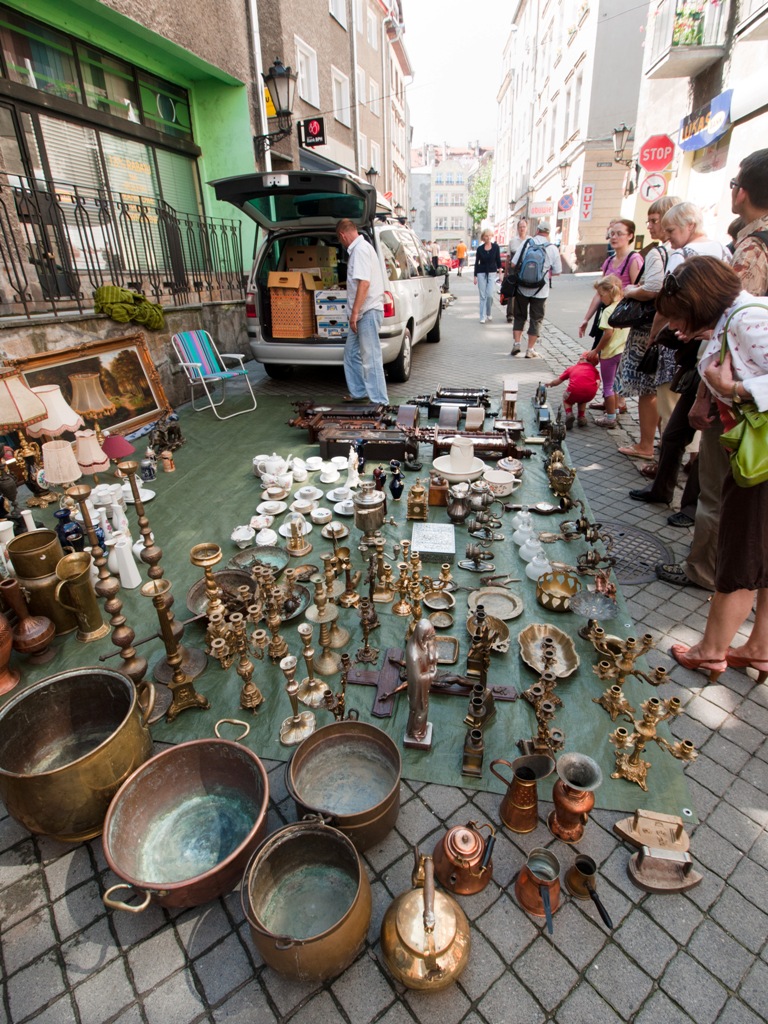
[656,153]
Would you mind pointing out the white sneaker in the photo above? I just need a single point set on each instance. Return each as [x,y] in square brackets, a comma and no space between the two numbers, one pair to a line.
[531,354]
[482,319]
[489,317]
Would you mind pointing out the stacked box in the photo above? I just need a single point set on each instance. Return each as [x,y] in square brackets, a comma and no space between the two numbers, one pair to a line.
[292,300]
[330,328]
[330,302]
[320,259]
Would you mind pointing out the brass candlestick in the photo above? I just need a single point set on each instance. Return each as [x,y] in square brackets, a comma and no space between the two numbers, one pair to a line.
[402,606]
[184,694]
[302,724]
[629,764]
[619,657]
[205,556]
[278,646]
[250,695]
[350,597]
[337,702]
[311,691]
[366,653]
[324,614]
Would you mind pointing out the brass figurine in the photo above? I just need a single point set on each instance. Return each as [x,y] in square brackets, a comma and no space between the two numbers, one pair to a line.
[421,672]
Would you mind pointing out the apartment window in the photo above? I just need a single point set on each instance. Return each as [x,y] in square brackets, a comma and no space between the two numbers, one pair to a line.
[459,178]
[340,84]
[457,223]
[441,223]
[457,199]
[360,83]
[373,92]
[567,116]
[362,152]
[373,30]
[449,178]
[577,99]
[376,155]
[440,199]
[338,10]
[359,15]
[438,178]
[306,65]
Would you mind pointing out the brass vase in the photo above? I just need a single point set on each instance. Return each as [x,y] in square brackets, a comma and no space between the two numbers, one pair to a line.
[9,677]
[32,634]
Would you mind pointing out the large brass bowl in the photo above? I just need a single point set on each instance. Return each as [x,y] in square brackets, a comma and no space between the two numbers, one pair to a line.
[182,827]
[67,743]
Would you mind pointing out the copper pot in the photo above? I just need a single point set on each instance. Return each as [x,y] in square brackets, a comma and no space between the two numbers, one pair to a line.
[67,743]
[349,772]
[181,829]
[462,858]
[537,886]
[520,804]
[32,634]
[307,899]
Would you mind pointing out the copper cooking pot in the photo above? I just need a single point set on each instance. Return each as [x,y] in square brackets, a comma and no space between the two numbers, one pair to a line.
[181,829]
[349,772]
[307,899]
[67,743]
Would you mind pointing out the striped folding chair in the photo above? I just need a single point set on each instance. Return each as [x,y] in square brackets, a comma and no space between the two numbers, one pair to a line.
[205,367]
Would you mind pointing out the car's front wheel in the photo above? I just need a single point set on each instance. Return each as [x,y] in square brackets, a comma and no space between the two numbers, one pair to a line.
[400,368]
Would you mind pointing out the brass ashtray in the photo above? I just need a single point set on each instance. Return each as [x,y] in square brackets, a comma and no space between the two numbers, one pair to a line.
[441,619]
[554,590]
[439,600]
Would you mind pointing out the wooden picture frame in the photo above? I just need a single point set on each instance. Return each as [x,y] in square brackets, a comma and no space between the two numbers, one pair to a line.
[132,383]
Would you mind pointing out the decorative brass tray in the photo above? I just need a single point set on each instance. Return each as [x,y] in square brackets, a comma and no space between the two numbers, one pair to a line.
[497,601]
[270,557]
[566,659]
[555,589]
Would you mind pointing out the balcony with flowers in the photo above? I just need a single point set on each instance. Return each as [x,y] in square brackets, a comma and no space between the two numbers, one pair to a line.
[685,37]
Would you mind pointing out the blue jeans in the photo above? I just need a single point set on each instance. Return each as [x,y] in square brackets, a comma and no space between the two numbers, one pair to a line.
[486,284]
[363,366]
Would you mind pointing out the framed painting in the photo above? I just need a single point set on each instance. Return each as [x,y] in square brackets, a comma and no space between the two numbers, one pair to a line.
[126,372]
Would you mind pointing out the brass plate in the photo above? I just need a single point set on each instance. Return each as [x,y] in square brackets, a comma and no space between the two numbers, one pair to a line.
[497,601]
[441,620]
[566,660]
[447,650]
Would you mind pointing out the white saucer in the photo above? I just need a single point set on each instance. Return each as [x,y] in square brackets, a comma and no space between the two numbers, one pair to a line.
[333,496]
[271,508]
[304,511]
[285,529]
[443,466]
[144,495]
[266,497]
[340,511]
[338,534]
[314,495]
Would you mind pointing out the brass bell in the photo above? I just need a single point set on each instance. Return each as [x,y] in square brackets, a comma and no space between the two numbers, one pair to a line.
[425,934]
[463,859]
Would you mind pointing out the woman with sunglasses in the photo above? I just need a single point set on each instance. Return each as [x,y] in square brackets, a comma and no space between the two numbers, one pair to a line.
[698,300]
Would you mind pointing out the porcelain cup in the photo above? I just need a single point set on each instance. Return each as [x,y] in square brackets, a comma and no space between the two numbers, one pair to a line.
[320,515]
[348,506]
[302,505]
[300,472]
[275,493]
[272,508]
[342,493]
[266,537]
[306,493]
[101,494]
[269,480]
[328,473]
[339,461]
[285,480]
[314,462]
[256,460]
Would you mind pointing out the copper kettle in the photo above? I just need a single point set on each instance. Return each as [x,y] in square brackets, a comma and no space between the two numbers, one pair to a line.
[463,859]
[425,934]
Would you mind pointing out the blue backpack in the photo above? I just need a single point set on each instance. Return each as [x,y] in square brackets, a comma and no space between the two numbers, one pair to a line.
[531,267]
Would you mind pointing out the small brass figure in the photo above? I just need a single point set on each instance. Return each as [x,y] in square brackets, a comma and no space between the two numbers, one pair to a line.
[421,672]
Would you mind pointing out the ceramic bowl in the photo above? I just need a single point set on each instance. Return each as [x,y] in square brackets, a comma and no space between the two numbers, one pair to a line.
[500,481]
[321,515]
[313,463]
[266,536]
[243,536]
[262,522]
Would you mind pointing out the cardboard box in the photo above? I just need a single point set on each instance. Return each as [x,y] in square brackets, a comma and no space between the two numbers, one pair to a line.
[298,256]
[330,303]
[332,328]
[292,300]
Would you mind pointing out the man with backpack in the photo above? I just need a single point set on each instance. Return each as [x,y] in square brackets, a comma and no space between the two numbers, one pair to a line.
[536,261]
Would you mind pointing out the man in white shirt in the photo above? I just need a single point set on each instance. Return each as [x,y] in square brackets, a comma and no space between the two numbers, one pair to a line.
[529,303]
[363,365]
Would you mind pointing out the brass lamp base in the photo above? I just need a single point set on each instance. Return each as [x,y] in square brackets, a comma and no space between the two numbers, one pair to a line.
[311,692]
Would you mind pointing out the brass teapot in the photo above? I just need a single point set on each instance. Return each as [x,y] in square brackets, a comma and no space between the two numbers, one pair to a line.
[425,934]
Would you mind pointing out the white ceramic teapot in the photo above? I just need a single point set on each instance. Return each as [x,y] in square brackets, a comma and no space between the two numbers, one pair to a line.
[273,464]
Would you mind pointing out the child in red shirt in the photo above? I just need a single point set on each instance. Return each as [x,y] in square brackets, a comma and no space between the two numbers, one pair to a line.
[583,380]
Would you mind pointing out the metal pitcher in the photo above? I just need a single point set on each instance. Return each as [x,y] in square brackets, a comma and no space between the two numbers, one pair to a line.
[75,592]
[520,804]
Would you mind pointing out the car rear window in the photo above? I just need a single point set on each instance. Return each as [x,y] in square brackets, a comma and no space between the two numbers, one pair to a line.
[282,207]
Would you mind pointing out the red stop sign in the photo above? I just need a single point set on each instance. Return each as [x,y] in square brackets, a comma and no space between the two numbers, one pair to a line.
[656,152]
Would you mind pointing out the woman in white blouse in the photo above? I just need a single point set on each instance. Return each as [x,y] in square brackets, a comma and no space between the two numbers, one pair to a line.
[698,300]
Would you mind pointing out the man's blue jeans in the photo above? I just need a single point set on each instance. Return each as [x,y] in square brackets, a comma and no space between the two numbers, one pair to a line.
[363,366]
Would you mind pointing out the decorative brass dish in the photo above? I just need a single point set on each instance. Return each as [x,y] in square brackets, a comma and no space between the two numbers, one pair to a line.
[274,558]
[229,580]
[554,590]
[566,659]
[441,619]
[501,643]
[447,650]
[497,601]
[439,600]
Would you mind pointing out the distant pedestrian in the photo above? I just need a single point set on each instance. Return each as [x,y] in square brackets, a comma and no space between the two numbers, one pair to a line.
[461,256]
[583,380]
[487,272]
[515,244]
[543,258]
[363,366]
[434,250]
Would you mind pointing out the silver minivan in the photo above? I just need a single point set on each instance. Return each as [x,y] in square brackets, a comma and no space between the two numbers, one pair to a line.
[302,208]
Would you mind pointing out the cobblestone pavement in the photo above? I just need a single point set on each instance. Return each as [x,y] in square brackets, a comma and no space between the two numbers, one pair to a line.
[699,957]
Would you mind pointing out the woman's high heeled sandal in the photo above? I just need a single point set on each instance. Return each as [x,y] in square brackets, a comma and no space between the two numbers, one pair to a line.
[714,668]
[736,660]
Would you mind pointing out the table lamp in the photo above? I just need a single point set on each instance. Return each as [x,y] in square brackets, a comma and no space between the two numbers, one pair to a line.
[117,448]
[88,452]
[89,400]
[59,463]
[20,407]
[61,417]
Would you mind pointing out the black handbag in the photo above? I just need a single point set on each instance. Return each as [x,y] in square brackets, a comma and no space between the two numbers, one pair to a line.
[649,361]
[633,313]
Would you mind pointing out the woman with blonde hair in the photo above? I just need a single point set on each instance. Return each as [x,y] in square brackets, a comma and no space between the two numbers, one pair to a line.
[487,270]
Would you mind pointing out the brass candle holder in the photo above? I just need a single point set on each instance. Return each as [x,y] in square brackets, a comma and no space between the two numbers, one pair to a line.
[301,724]
[251,697]
[402,606]
[336,702]
[184,694]
[619,657]
[629,764]
[367,654]
[205,556]
[324,614]
[311,691]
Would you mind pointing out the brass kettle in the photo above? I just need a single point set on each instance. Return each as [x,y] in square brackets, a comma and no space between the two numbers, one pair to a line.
[463,859]
[425,934]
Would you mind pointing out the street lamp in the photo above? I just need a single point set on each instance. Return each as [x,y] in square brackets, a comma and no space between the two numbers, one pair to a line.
[281,83]
[372,174]
[413,214]
[620,136]
[399,212]
[564,168]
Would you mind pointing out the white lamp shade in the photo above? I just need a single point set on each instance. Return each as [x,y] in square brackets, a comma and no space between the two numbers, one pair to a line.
[19,406]
[88,395]
[61,417]
[90,458]
[59,463]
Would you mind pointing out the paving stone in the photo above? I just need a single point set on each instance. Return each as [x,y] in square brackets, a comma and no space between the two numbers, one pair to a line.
[728,755]
[131,1015]
[742,733]
[676,915]
[703,799]
[706,712]
[708,891]
[16,863]
[397,876]
[751,880]
[750,800]
[707,773]
[68,872]
[445,801]
[686,728]
[202,927]
[759,851]
[619,981]
[103,995]
[88,951]
[584,1004]
[399,1014]
[755,772]
[661,1010]
[34,986]
[722,956]
[694,989]
[734,826]
[222,970]
[363,990]
[509,1003]
[741,919]
[176,1001]
[615,870]
[155,959]
[715,852]
[133,928]
[320,1009]
[380,901]
[735,1012]
[483,968]
[577,937]
[645,942]
[445,1007]
[23,898]
[27,940]
[754,990]
[546,973]
[11,832]
[754,713]
[416,822]
[78,909]
[723,696]
[286,993]
[506,861]
[507,928]
[247,1006]
[390,849]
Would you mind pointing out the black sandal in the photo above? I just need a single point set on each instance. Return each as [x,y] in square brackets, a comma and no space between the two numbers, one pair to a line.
[671,572]
[681,519]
